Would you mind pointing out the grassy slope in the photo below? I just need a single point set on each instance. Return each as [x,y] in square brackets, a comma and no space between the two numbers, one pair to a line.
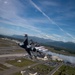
[65,70]
[2,67]
[41,69]
[24,62]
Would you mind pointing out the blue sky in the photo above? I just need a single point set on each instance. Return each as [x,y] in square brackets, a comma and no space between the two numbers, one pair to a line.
[49,19]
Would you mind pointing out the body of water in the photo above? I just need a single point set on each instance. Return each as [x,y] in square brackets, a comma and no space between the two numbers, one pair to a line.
[66,58]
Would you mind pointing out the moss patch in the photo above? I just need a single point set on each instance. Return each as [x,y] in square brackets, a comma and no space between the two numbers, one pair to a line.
[24,62]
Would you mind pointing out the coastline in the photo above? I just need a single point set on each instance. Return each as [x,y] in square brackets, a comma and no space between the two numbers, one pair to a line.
[60,52]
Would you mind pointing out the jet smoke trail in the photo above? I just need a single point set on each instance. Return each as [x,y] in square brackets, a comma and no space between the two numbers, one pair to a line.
[50,19]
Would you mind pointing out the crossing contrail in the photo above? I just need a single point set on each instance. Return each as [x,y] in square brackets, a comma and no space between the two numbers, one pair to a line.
[50,19]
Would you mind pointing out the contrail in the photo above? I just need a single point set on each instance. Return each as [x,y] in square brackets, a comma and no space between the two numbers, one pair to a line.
[50,19]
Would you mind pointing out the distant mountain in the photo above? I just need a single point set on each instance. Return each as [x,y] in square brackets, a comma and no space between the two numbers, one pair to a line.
[49,42]
[65,45]
[36,39]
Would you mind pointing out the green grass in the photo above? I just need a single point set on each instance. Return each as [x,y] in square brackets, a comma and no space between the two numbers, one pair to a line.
[65,70]
[7,43]
[3,66]
[18,73]
[41,69]
[24,62]
[1,69]
[57,73]
[20,50]
[4,45]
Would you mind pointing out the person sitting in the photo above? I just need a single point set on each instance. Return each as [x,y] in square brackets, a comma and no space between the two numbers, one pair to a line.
[26,46]
[29,47]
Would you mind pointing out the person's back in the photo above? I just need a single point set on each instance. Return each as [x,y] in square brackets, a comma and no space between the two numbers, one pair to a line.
[25,41]
[29,47]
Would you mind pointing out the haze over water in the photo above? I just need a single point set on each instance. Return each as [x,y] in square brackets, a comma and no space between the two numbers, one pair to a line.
[66,58]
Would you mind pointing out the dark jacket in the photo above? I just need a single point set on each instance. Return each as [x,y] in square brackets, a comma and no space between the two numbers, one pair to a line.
[25,42]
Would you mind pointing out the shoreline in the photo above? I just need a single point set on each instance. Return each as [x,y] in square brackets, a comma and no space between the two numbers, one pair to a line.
[60,52]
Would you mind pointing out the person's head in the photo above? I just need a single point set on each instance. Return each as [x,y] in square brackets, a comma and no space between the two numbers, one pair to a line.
[26,35]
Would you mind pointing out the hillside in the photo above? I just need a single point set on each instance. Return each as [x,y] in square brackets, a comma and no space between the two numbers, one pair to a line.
[65,45]
[69,46]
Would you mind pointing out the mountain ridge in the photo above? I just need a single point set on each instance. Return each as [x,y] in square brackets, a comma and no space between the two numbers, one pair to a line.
[66,45]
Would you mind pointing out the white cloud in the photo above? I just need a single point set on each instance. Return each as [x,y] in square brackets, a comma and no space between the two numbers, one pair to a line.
[49,3]
[50,19]
[56,35]
[10,13]
[7,31]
